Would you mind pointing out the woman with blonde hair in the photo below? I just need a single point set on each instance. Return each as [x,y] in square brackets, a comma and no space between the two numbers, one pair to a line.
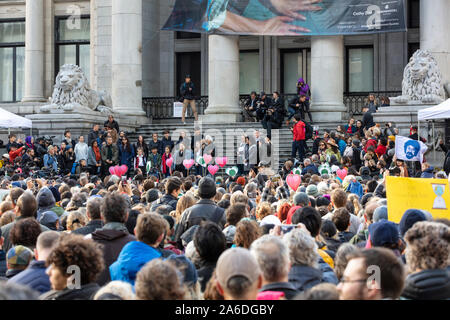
[262,210]
[75,220]
[186,201]
[115,290]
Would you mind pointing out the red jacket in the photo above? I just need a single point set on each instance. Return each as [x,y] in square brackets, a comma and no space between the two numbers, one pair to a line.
[370,142]
[380,150]
[299,131]
[14,154]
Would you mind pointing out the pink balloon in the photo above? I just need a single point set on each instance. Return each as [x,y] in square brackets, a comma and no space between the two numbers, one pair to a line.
[188,163]
[169,162]
[213,169]
[111,171]
[123,169]
[293,181]
[221,161]
[341,173]
[207,158]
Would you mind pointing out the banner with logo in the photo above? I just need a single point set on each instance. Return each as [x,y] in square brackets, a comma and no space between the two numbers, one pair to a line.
[288,17]
[409,149]
[432,195]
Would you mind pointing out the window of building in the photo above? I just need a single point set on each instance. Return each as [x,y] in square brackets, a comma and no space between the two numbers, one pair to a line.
[249,75]
[412,47]
[413,13]
[187,35]
[360,71]
[73,43]
[189,63]
[12,60]
[295,64]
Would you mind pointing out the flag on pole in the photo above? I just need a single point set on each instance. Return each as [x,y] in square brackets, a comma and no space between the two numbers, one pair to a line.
[409,149]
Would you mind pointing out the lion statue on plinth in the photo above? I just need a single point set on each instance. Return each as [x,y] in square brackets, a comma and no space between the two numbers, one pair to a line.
[422,81]
[72,92]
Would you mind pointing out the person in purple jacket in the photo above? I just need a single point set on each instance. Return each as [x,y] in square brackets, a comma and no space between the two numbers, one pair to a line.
[303,89]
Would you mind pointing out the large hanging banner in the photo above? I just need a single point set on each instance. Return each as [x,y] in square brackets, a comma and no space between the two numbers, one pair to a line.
[432,195]
[288,17]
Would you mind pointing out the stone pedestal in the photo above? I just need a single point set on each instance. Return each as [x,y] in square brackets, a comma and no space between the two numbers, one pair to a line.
[126,91]
[223,87]
[34,52]
[55,122]
[327,78]
[434,33]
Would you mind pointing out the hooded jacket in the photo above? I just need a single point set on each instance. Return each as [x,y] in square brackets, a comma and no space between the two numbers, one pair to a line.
[132,258]
[113,236]
[45,200]
[428,285]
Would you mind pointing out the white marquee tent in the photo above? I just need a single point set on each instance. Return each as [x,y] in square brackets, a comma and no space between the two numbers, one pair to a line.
[441,111]
[10,120]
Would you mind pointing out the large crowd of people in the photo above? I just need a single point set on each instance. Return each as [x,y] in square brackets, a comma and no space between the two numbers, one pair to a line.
[72,230]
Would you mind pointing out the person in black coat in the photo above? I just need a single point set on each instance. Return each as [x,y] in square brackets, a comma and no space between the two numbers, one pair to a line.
[367,119]
[274,116]
[166,141]
[155,143]
[204,210]
[141,144]
[262,105]
[187,91]
[111,123]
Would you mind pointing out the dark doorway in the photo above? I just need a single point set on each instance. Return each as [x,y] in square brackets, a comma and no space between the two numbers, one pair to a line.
[189,63]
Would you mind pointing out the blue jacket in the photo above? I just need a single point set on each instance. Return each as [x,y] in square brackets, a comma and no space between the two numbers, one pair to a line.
[342,145]
[311,167]
[304,277]
[126,157]
[132,258]
[34,277]
[328,274]
[428,173]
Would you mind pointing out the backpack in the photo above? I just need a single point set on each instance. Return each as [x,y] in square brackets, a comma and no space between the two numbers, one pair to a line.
[74,168]
[309,131]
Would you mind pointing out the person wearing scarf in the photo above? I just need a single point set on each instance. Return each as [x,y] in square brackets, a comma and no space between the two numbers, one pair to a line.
[94,158]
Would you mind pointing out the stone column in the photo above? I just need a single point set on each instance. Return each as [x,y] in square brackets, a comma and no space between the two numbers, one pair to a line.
[434,33]
[34,52]
[327,78]
[223,77]
[126,50]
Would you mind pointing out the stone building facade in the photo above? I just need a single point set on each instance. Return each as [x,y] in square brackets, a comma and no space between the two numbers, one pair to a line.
[120,45]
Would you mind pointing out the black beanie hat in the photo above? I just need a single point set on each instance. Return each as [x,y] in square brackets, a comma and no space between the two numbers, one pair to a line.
[206,188]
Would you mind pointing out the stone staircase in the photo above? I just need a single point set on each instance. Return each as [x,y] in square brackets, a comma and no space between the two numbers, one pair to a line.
[227,136]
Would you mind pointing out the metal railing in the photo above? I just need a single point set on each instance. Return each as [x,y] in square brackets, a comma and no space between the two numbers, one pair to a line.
[162,107]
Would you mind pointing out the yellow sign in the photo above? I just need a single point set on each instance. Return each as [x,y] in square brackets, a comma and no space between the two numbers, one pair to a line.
[432,195]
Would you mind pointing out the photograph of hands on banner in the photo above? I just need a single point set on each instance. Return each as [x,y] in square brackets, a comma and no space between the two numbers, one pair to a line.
[287,17]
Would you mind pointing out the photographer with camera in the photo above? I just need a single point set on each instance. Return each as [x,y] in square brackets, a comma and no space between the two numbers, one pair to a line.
[274,115]
[262,105]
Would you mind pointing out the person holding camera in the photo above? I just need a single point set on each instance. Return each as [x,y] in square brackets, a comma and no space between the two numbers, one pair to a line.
[274,115]
[262,105]
[299,105]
